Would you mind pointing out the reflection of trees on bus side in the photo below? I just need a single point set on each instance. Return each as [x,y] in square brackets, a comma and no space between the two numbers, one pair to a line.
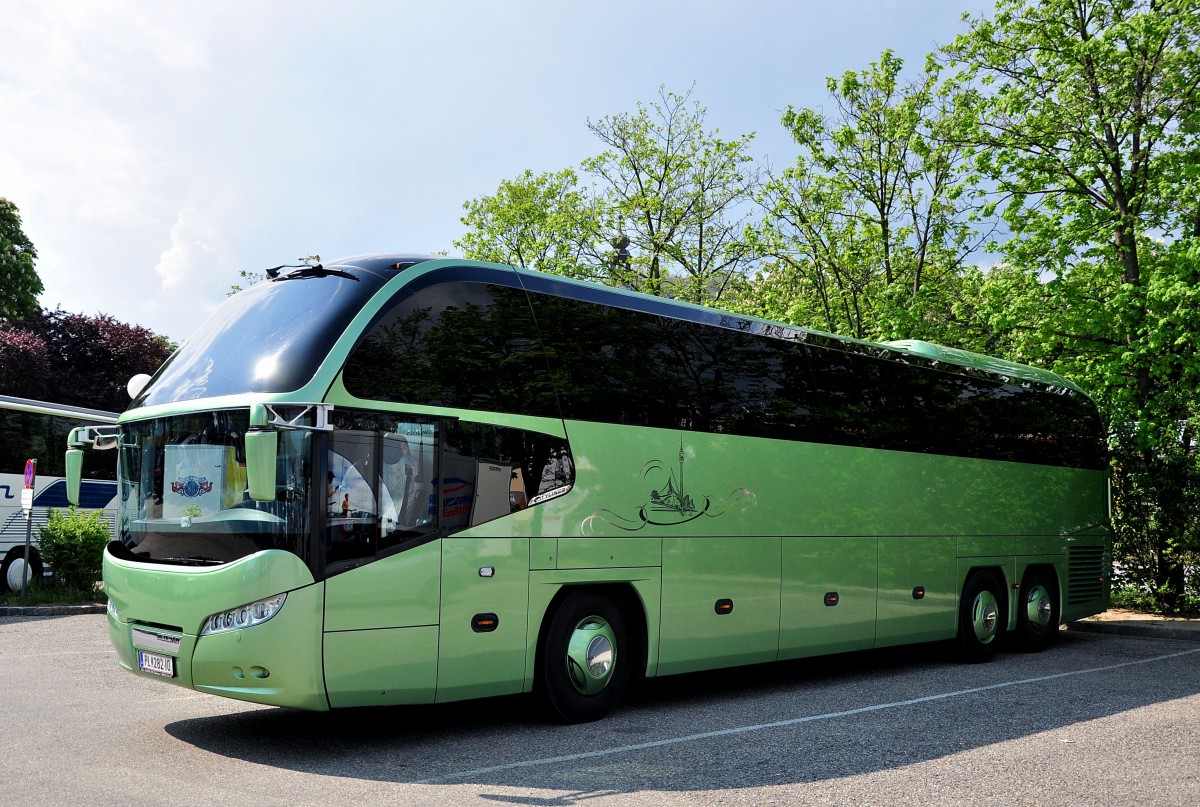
[474,346]
[476,349]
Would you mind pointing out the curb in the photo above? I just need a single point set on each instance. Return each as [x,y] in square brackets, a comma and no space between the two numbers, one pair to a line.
[50,610]
[1133,628]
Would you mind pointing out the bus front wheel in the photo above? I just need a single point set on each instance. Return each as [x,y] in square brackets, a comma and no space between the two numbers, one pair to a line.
[981,618]
[14,566]
[585,658]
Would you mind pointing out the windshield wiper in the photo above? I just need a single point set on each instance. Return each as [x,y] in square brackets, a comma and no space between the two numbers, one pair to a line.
[306,270]
[193,560]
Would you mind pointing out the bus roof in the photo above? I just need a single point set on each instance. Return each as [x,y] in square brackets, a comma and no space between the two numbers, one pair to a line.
[990,364]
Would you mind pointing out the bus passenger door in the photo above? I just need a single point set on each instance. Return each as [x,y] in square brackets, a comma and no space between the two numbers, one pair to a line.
[829,595]
[485,579]
[382,562]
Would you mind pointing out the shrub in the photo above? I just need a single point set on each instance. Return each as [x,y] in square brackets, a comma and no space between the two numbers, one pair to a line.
[73,544]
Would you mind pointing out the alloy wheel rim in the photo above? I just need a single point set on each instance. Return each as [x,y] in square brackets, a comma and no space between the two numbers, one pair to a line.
[1038,609]
[591,655]
[985,615]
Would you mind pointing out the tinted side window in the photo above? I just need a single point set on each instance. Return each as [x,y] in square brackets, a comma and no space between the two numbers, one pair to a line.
[395,482]
[640,368]
[380,487]
[25,436]
[876,403]
[637,368]
[492,471]
[465,345]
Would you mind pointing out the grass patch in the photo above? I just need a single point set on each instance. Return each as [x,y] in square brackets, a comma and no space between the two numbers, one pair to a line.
[43,593]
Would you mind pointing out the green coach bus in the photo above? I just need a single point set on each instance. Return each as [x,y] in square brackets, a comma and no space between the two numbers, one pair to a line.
[397,479]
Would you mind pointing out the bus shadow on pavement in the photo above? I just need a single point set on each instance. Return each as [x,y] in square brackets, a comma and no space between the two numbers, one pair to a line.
[783,723]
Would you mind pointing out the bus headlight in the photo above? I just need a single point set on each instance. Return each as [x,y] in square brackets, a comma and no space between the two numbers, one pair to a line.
[244,616]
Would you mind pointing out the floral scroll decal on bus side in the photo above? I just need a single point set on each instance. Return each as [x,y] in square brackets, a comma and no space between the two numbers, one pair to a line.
[192,486]
[669,504]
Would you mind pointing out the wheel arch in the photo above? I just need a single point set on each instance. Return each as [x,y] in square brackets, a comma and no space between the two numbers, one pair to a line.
[997,568]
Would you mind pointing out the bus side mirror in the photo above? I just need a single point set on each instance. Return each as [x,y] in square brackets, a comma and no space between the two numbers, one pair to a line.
[74,464]
[261,451]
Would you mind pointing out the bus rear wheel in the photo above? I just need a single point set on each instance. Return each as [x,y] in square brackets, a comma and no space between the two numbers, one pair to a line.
[13,567]
[585,664]
[1037,616]
[981,618]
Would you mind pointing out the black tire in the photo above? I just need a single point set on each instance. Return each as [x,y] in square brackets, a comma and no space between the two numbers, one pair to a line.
[13,562]
[586,625]
[982,617]
[1037,611]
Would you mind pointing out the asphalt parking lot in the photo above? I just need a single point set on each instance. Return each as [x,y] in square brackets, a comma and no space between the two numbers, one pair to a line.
[1097,720]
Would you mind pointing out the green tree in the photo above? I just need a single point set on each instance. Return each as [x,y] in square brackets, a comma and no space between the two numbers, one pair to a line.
[1086,115]
[679,194]
[544,222]
[19,282]
[869,229]
[665,212]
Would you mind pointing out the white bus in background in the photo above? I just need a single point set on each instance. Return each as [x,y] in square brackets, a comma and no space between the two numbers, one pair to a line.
[38,430]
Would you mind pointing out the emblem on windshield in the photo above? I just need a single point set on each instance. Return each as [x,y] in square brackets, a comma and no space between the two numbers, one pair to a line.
[192,486]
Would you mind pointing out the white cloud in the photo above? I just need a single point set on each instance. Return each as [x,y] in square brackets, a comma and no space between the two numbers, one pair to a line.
[186,270]
[191,244]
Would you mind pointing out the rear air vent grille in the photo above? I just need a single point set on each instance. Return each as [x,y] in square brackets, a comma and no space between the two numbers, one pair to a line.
[1086,575]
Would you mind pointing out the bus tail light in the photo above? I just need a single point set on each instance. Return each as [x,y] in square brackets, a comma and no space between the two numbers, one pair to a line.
[244,616]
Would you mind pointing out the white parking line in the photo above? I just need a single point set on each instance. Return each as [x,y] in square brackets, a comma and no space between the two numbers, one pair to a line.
[708,735]
[64,653]
[183,698]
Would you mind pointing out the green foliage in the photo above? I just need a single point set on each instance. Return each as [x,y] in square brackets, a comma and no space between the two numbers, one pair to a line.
[19,282]
[72,543]
[665,212]
[543,222]
[1141,598]
[41,593]
[1086,118]
[1156,513]
[681,196]
[869,229]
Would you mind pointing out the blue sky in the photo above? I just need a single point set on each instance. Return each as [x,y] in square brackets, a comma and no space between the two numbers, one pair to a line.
[155,149]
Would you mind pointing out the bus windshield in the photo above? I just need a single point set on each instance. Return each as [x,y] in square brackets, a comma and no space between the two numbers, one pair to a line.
[183,491]
[269,338]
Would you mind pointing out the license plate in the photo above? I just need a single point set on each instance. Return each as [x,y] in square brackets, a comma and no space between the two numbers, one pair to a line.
[156,664]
